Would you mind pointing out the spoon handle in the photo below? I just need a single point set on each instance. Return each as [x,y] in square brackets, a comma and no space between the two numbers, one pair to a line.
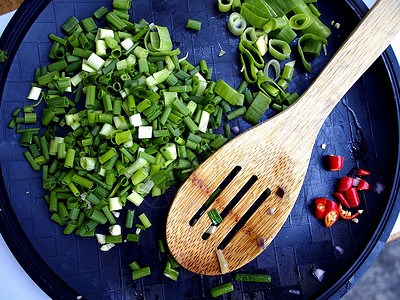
[368,40]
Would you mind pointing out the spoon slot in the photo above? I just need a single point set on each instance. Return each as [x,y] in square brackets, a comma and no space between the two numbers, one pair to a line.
[244,219]
[233,202]
[214,195]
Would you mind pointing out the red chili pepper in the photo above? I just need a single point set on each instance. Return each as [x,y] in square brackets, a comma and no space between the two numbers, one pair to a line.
[361,172]
[335,163]
[320,211]
[345,183]
[340,196]
[320,200]
[331,213]
[363,185]
[352,197]
[345,214]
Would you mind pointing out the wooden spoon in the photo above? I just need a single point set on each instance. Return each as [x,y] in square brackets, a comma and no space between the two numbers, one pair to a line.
[277,151]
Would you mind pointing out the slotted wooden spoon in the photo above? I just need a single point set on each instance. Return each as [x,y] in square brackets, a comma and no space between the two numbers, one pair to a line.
[277,151]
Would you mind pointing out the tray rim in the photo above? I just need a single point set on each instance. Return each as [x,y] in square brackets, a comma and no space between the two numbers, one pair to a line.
[55,287]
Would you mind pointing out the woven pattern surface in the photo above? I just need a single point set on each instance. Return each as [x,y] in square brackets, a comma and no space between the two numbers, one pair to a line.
[358,129]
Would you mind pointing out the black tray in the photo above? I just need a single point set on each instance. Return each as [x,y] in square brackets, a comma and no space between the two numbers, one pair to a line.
[363,128]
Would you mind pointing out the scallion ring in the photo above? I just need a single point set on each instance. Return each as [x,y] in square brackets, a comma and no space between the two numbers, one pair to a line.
[253,52]
[286,51]
[224,5]
[300,21]
[248,68]
[236,24]
[249,35]
[277,68]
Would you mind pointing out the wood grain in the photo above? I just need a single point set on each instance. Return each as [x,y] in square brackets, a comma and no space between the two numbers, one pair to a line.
[277,152]
[393,237]
[9,5]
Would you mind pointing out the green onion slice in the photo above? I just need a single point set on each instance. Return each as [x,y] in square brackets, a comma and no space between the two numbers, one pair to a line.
[284,46]
[236,24]
[277,68]
[300,21]
[304,38]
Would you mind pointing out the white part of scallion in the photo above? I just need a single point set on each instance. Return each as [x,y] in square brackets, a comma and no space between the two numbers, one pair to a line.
[116,214]
[262,44]
[291,63]
[101,48]
[127,44]
[128,144]
[131,60]
[120,122]
[148,185]
[76,79]
[95,61]
[103,33]
[222,262]
[122,64]
[205,116]
[69,119]
[169,151]
[123,94]
[202,85]
[145,132]
[114,203]
[107,130]
[115,230]
[135,198]
[139,163]
[106,247]
[151,82]
[101,238]
[102,171]
[75,125]
[34,93]
[169,97]
[87,163]
[136,120]
[86,67]
[211,229]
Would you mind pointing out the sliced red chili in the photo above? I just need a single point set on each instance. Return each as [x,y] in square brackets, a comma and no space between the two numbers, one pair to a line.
[335,163]
[345,214]
[352,197]
[331,213]
[320,211]
[342,199]
[320,200]
[363,185]
[345,183]
[361,172]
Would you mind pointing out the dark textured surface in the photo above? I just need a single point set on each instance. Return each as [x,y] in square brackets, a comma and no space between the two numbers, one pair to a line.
[362,128]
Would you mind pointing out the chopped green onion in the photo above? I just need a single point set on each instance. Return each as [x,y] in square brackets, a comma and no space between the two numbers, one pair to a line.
[215,216]
[221,289]
[192,24]
[253,277]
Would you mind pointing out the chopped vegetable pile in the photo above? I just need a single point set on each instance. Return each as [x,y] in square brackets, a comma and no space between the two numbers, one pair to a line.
[123,118]
[269,30]
[147,120]
[346,193]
